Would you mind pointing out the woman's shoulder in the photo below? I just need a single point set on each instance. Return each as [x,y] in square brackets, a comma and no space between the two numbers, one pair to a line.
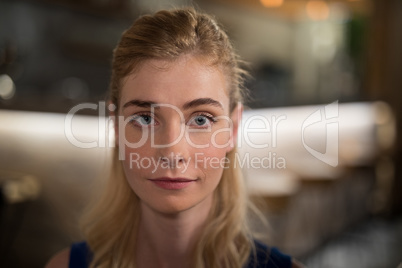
[77,256]
[60,260]
[270,257]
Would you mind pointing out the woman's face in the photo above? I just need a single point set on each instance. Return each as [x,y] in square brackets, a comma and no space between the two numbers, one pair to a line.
[176,132]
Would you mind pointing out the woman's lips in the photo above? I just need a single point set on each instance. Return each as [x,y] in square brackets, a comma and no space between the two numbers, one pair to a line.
[172,183]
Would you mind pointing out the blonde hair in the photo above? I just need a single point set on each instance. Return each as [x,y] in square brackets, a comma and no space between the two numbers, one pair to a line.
[110,226]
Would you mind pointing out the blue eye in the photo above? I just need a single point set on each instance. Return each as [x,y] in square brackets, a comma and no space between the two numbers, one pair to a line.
[142,120]
[201,120]
[145,119]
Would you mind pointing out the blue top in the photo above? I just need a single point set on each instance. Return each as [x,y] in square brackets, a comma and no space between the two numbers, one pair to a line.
[80,257]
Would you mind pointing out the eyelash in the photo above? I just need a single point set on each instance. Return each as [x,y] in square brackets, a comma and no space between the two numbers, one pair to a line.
[139,115]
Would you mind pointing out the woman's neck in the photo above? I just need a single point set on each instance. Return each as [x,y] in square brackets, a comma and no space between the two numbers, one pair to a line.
[166,240]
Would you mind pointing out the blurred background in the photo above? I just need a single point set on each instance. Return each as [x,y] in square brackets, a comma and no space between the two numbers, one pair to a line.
[304,55]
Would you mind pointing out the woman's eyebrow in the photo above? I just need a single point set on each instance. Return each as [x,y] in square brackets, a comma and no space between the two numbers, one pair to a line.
[141,103]
[202,101]
[187,105]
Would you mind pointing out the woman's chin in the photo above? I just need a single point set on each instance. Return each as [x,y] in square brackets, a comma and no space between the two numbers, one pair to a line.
[175,205]
[169,208]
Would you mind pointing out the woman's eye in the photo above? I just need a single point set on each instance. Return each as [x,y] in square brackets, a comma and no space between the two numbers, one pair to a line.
[143,120]
[201,121]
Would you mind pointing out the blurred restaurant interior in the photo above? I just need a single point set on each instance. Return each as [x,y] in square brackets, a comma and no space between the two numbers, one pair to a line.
[330,205]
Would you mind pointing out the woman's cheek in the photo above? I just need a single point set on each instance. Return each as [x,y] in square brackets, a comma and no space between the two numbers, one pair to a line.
[210,160]
[135,138]
[221,139]
[217,137]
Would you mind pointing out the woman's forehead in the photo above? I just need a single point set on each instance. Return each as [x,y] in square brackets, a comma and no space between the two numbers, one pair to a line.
[176,82]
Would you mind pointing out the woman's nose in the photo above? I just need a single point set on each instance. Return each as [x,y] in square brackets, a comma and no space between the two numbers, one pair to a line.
[173,160]
[171,143]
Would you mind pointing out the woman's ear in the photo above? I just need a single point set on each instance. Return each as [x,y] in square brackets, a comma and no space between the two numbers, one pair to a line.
[235,117]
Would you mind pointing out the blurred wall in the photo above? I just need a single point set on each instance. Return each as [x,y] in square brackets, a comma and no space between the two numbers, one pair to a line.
[383,80]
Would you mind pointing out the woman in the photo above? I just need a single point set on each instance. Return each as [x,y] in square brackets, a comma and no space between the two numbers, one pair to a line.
[175,197]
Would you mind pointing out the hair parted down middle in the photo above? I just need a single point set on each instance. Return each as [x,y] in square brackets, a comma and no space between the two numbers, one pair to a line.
[170,34]
[111,223]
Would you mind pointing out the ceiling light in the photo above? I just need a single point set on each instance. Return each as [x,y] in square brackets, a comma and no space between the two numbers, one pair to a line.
[317,10]
[272,3]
